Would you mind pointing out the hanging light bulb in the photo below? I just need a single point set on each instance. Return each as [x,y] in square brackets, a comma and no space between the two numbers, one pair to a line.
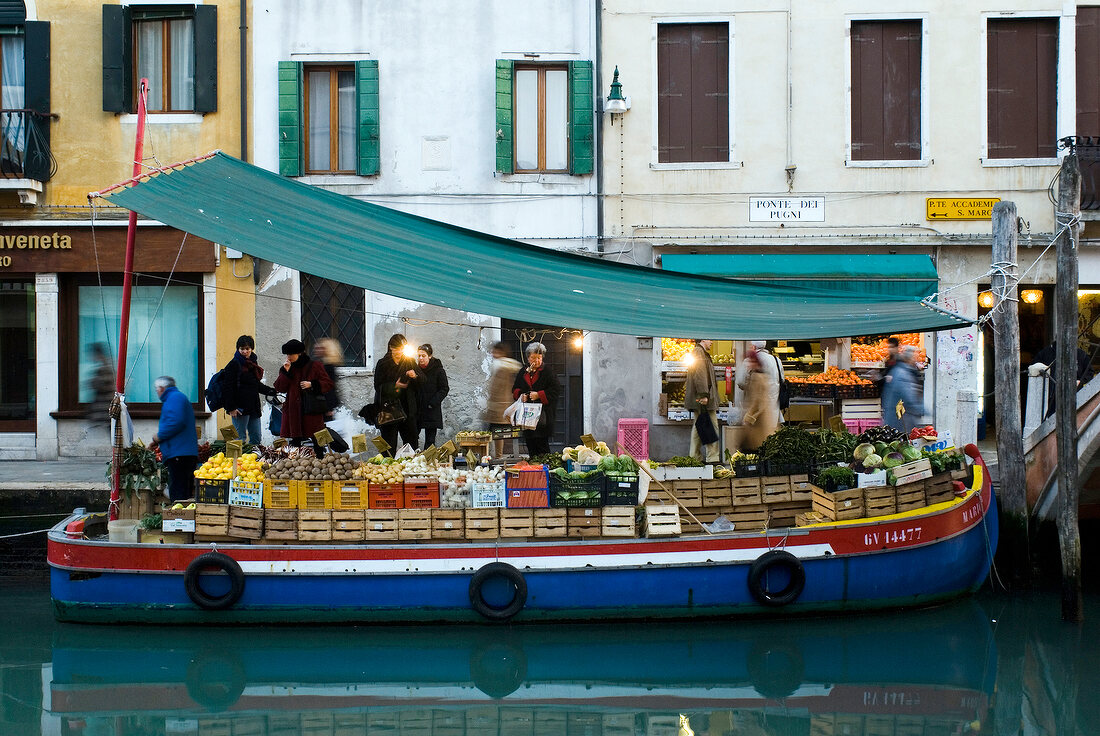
[578,341]
[985,300]
[1032,296]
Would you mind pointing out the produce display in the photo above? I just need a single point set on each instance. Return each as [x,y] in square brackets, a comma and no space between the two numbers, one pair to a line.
[473,434]
[682,461]
[833,375]
[874,350]
[675,348]
[250,468]
[924,433]
[836,477]
[677,393]
[216,467]
[456,485]
[723,359]
[574,453]
[418,466]
[551,460]
[380,470]
[330,467]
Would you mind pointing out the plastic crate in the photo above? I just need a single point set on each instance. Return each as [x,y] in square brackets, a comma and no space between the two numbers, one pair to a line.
[349,494]
[620,489]
[211,490]
[753,469]
[280,494]
[634,438]
[315,494]
[385,495]
[246,493]
[487,495]
[848,391]
[537,479]
[592,487]
[869,391]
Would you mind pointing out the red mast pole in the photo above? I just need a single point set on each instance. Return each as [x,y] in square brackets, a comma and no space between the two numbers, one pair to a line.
[124,320]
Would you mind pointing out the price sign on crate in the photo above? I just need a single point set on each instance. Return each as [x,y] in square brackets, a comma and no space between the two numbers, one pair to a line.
[234,448]
[228,433]
[323,438]
[358,443]
[279,442]
[380,444]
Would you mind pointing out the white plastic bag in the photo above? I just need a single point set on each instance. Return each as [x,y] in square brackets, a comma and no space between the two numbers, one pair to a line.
[528,415]
[512,412]
[404,452]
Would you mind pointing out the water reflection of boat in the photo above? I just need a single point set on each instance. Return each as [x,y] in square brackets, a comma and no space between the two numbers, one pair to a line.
[928,666]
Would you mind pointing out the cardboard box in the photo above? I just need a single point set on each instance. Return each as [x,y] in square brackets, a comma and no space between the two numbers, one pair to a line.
[178,520]
[671,472]
[380,525]
[871,480]
[942,443]
[550,523]
[482,524]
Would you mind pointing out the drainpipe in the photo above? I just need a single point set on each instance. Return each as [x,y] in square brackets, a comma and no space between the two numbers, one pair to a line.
[244,79]
[599,128]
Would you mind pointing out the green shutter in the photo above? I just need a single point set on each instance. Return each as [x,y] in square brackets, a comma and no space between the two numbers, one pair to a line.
[366,86]
[290,118]
[36,76]
[206,58]
[118,89]
[581,118]
[504,131]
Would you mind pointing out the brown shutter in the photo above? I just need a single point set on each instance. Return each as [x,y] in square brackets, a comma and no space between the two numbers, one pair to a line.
[1023,83]
[692,92]
[1088,71]
[886,58]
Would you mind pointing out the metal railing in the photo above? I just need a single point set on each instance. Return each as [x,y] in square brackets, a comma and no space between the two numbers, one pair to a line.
[1087,148]
[24,145]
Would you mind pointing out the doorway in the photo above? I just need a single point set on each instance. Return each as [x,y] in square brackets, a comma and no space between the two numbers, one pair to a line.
[565,360]
[18,377]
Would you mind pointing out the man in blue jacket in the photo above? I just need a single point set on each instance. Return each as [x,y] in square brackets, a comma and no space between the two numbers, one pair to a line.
[179,445]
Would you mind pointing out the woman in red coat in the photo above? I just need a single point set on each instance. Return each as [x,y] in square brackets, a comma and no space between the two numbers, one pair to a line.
[298,375]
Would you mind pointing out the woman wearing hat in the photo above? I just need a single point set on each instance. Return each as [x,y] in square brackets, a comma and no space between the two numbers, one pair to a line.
[537,383]
[297,376]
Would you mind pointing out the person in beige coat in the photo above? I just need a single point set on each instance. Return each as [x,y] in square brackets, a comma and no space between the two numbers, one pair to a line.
[501,378]
[761,399]
[701,396]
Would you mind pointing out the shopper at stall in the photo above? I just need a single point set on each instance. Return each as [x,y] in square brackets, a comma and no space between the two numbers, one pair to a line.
[502,378]
[538,383]
[760,414]
[901,407]
[242,386]
[760,359]
[701,397]
[396,384]
[304,381]
[431,392]
[176,437]
[329,354]
[102,385]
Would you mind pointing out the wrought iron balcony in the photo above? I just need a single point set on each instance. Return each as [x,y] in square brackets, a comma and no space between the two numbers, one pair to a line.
[1087,148]
[25,145]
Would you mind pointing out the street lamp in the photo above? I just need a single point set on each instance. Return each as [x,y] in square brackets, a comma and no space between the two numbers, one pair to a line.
[616,104]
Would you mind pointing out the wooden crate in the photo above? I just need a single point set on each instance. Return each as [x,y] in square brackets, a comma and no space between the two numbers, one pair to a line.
[348,724]
[618,521]
[688,492]
[414,524]
[879,501]
[517,722]
[578,723]
[349,494]
[618,724]
[550,523]
[348,525]
[716,492]
[878,726]
[912,472]
[745,491]
[280,494]
[910,496]
[135,504]
[314,494]
[281,524]
[482,523]
[382,723]
[314,525]
[583,523]
[517,523]
[838,505]
[689,525]
[749,517]
[908,726]
[775,488]
[801,487]
[552,723]
[662,520]
[246,522]
[662,725]
[380,525]
[806,518]
[448,524]
[211,519]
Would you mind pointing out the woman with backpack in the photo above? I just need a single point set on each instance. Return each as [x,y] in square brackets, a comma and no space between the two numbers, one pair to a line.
[242,385]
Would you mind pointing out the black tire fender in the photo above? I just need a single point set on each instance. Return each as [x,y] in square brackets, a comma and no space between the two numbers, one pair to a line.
[498,668]
[509,573]
[213,561]
[215,680]
[760,567]
[775,668]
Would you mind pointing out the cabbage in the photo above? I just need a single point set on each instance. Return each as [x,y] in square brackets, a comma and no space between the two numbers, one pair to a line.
[911,453]
[586,456]
[892,460]
[607,462]
[626,464]
[862,451]
[872,461]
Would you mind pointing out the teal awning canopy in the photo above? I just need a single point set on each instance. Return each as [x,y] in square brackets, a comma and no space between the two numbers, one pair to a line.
[384,250]
[903,276]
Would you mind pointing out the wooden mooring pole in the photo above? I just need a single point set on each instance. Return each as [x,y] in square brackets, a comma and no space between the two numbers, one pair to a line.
[1065,378]
[1011,484]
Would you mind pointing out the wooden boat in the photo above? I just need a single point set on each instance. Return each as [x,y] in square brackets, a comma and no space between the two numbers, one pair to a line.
[913,558]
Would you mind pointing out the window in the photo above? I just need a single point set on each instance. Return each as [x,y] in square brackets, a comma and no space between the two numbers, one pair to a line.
[164,53]
[1088,61]
[542,118]
[18,381]
[1022,70]
[163,338]
[13,125]
[886,99]
[545,117]
[328,119]
[25,99]
[174,47]
[693,122]
[332,309]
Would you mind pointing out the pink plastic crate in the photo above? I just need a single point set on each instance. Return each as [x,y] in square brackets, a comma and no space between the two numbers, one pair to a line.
[859,426]
[634,437]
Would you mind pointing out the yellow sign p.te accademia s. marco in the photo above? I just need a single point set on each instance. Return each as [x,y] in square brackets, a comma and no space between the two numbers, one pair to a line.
[960,208]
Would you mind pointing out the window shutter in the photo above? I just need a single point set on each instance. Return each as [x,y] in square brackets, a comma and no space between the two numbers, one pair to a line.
[118,92]
[36,76]
[206,58]
[366,86]
[581,113]
[290,118]
[504,131]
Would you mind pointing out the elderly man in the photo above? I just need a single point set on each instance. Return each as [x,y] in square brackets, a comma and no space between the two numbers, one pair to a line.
[179,445]
[701,397]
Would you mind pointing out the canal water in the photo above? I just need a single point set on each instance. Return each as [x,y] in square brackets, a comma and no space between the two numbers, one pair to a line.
[992,664]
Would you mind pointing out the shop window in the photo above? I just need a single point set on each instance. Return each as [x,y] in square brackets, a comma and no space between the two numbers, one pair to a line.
[886,99]
[164,338]
[545,117]
[1022,72]
[693,121]
[328,119]
[174,47]
[332,309]
[17,344]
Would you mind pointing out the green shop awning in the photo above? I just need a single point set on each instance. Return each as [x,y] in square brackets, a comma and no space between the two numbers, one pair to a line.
[384,250]
[904,276]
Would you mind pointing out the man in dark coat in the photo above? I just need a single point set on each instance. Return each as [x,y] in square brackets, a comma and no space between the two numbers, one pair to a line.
[433,389]
[396,383]
[298,375]
[541,385]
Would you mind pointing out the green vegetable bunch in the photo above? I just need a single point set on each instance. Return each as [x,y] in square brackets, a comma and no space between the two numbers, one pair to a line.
[834,446]
[150,522]
[789,445]
[138,469]
[836,476]
[943,462]
[681,461]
